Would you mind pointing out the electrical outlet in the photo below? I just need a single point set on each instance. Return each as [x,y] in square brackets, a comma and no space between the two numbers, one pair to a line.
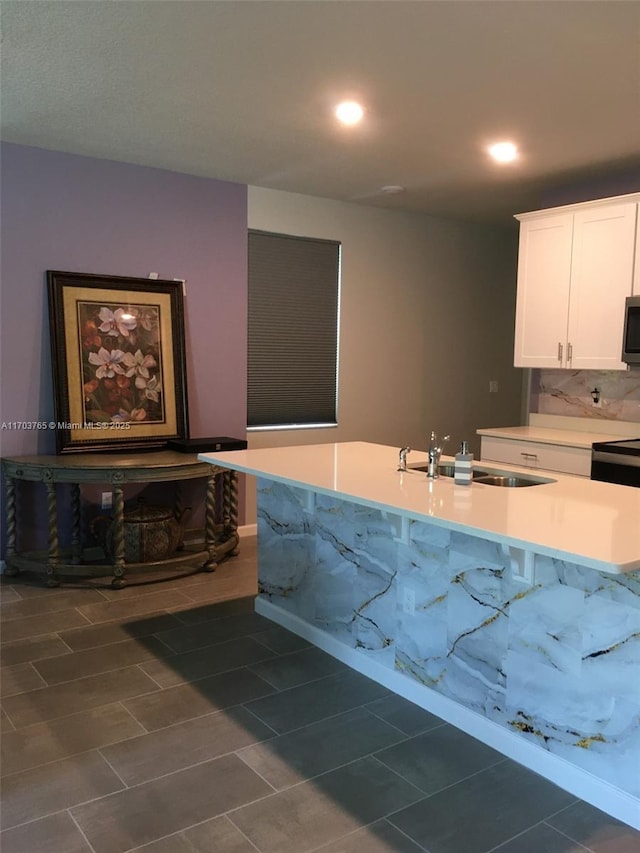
[493,386]
[107,500]
[409,601]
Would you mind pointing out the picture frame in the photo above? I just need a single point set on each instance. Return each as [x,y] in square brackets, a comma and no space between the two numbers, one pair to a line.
[118,359]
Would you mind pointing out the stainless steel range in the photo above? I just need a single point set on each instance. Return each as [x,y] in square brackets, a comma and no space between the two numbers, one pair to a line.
[616,462]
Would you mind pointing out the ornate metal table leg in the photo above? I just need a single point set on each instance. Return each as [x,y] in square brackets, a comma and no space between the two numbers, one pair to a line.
[76,544]
[118,538]
[230,508]
[210,523]
[54,543]
[180,512]
[10,511]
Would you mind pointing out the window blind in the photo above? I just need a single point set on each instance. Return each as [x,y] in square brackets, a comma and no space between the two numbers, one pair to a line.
[294,285]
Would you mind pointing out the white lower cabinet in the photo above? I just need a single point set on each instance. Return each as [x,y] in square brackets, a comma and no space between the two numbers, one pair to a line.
[537,455]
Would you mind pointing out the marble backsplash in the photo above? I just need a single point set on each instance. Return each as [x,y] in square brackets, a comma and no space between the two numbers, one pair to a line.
[570,393]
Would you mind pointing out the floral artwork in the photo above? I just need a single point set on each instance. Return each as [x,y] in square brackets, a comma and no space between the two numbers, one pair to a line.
[118,362]
[121,362]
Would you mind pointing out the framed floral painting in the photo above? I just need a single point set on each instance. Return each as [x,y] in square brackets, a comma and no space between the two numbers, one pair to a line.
[118,355]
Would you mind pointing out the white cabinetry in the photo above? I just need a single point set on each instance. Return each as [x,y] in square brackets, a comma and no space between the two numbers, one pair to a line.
[537,455]
[575,268]
[542,306]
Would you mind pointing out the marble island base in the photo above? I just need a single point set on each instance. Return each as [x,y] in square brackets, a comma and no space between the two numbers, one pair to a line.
[545,670]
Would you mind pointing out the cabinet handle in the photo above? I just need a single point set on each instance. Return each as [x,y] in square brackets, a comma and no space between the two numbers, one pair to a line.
[569,352]
[559,352]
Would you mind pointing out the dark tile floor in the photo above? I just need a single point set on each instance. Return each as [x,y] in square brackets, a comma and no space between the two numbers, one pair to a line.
[170,718]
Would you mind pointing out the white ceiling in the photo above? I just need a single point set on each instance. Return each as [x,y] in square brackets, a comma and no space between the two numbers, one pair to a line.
[243,91]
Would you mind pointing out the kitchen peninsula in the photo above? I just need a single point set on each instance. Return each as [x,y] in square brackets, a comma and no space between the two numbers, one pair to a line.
[513,613]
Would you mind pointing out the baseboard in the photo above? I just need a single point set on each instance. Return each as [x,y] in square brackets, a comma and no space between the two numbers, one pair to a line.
[579,782]
[197,537]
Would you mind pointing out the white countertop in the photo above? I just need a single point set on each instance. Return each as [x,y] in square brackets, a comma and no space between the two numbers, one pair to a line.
[544,435]
[583,521]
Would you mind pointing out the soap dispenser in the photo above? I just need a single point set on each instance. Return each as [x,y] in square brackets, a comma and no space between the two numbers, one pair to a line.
[462,468]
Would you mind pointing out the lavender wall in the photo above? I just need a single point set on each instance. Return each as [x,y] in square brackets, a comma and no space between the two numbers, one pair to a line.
[79,214]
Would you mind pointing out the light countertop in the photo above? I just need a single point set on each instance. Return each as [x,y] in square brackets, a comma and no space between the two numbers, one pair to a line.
[544,435]
[583,521]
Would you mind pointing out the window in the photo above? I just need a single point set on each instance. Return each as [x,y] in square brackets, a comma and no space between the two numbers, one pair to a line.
[294,286]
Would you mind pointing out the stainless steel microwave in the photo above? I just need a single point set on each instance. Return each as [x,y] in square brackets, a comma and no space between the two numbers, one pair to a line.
[631,336]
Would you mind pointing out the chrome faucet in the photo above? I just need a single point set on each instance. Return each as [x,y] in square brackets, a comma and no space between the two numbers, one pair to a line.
[402,458]
[435,452]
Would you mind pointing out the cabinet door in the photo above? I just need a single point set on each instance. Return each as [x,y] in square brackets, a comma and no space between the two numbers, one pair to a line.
[601,278]
[542,307]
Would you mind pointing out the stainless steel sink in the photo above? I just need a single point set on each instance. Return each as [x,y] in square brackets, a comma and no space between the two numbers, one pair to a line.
[488,478]
[448,470]
[510,481]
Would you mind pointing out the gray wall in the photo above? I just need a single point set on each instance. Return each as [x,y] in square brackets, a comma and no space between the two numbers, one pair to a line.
[427,314]
[427,319]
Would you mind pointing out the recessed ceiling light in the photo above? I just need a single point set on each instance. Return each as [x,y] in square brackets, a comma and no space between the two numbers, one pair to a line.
[349,112]
[503,152]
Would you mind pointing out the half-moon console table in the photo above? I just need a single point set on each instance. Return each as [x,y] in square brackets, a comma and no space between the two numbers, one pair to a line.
[117,470]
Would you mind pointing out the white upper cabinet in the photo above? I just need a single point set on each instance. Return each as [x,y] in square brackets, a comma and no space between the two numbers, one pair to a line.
[601,279]
[575,268]
[544,276]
